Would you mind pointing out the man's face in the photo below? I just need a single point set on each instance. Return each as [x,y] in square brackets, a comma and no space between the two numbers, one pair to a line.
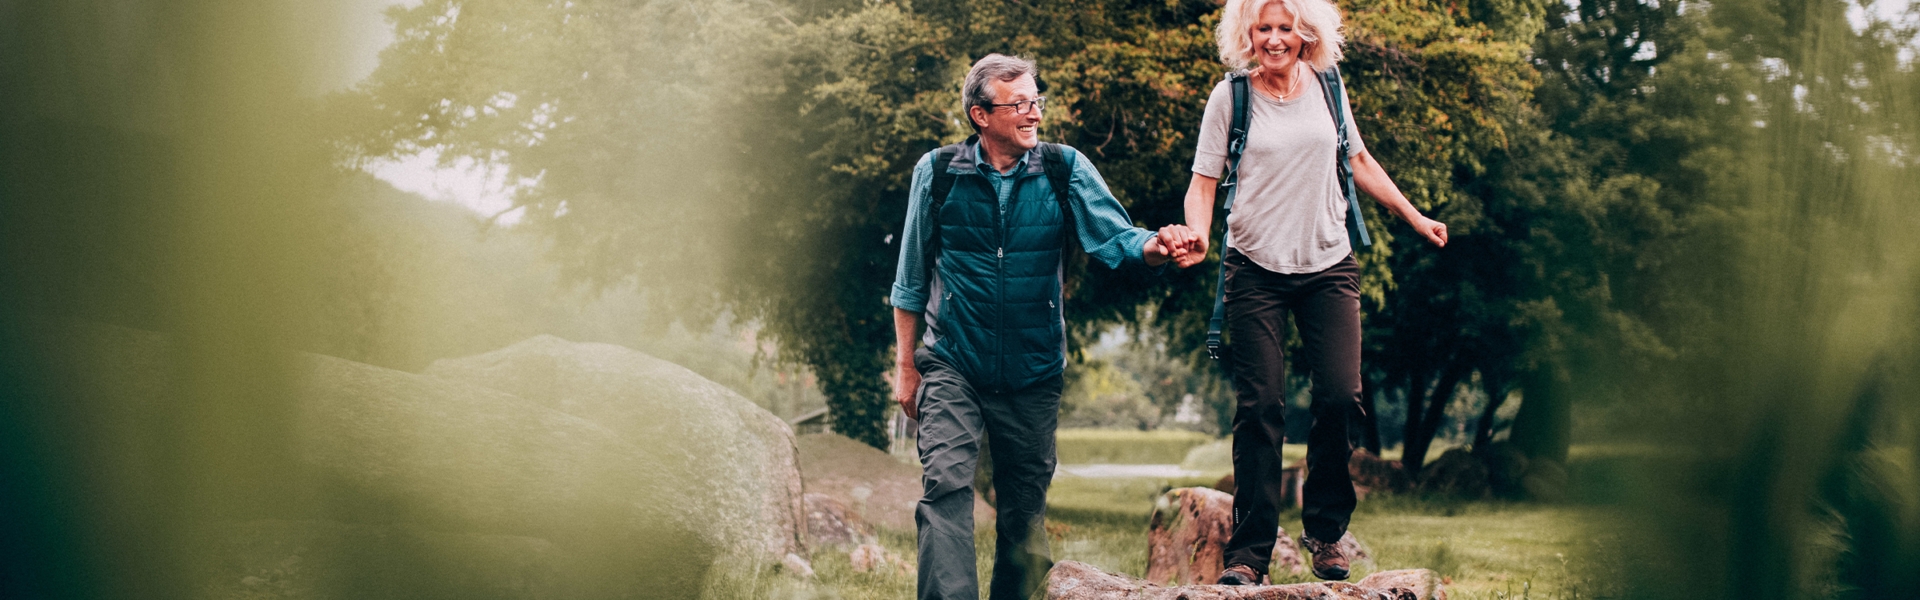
[1004,126]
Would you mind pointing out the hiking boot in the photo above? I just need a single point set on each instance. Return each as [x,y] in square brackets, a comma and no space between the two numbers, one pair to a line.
[1238,575]
[1330,559]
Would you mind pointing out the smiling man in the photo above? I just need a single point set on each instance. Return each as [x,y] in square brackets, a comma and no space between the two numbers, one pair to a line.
[988,221]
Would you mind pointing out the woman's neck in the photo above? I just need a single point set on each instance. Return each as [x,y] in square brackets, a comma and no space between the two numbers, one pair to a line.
[1281,83]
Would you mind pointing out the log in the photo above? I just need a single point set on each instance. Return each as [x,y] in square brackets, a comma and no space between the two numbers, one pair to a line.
[1073,580]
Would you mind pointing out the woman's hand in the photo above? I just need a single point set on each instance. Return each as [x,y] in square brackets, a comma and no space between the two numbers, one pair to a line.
[1434,231]
[1179,243]
[1195,254]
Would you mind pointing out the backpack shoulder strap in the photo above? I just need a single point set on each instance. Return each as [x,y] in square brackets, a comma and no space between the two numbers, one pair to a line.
[1236,138]
[1335,90]
[937,197]
[1228,186]
[1053,160]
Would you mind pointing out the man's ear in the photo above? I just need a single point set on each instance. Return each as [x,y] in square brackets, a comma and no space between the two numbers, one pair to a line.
[979,118]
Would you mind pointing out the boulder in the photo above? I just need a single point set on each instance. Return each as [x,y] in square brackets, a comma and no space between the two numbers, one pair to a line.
[1456,473]
[1372,474]
[1073,580]
[1506,469]
[398,485]
[391,447]
[1187,536]
[1425,584]
[1546,480]
[831,525]
[880,488]
[1286,556]
[731,456]
[873,558]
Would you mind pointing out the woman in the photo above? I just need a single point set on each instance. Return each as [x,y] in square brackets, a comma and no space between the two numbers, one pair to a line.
[1288,252]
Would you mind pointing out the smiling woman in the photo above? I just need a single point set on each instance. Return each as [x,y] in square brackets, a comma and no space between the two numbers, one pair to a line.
[1317,24]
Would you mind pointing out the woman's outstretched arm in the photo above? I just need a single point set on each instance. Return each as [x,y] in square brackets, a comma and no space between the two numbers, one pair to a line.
[1372,179]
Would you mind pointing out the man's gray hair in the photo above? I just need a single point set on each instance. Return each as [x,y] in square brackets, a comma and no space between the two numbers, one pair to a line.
[989,68]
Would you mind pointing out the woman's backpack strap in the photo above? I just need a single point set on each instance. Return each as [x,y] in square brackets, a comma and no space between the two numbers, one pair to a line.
[1335,90]
[1229,185]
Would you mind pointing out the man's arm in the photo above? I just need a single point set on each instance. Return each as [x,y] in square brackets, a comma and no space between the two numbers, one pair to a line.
[906,377]
[1102,225]
[910,286]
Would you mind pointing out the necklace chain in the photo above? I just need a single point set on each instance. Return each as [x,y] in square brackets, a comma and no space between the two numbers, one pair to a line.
[1293,83]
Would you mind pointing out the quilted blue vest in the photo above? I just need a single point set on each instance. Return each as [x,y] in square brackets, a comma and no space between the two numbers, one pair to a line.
[995,311]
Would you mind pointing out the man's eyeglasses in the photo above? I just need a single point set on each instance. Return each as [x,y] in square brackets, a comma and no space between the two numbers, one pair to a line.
[1022,107]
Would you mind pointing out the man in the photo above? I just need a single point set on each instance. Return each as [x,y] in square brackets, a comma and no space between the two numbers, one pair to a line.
[985,271]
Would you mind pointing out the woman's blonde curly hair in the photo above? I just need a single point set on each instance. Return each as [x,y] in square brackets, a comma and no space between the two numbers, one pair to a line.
[1318,22]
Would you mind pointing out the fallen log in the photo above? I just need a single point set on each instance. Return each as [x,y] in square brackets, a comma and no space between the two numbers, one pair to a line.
[1073,580]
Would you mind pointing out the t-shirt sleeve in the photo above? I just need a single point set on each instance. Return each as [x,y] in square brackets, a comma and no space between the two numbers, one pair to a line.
[1210,154]
[1354,145]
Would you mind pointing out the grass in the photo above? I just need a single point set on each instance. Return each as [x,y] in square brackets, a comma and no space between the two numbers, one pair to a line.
[1488,550]
[1126,447]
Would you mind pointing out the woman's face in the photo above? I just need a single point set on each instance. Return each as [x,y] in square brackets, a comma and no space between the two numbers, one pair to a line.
[1276,46]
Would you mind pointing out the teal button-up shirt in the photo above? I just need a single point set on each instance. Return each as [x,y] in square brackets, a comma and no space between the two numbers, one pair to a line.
[1102,225]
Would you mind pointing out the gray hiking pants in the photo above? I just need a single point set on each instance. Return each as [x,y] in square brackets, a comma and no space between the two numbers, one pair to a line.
[1019,428]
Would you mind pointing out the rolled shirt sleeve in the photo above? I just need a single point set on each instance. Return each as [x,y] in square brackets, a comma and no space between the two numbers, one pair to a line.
[910,278]
[1105,231]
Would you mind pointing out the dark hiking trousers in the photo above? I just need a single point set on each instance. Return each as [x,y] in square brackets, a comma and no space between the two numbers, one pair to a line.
[1019,428]
[1326,311]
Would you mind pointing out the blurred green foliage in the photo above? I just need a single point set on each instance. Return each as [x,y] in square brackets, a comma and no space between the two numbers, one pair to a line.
[1695,217]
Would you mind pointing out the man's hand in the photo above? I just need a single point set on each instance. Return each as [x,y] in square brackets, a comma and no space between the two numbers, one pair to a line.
[906,385]
[1179,242]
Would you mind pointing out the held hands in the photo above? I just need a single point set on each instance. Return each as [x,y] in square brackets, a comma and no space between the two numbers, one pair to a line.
[1181,244]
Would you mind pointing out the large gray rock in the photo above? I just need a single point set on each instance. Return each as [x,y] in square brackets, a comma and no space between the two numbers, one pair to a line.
[384,446]
[398,485]
[722,452]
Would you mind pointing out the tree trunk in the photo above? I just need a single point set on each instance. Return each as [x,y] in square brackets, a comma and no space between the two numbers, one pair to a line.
[1496,388]
[1416,396]
[1544,426]
[1420,439]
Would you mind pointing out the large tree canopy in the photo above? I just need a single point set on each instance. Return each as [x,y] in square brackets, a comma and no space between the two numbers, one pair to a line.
[755,156]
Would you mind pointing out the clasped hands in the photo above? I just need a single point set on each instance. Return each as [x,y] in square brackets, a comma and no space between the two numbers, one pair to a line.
[1179,243]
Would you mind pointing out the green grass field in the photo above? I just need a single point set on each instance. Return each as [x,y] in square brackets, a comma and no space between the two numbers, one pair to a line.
[1489,550]
[1126,447]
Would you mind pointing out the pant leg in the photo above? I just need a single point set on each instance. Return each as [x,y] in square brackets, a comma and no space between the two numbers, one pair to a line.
[1327,314]
[1020,433]
[950,430]
[1256,319]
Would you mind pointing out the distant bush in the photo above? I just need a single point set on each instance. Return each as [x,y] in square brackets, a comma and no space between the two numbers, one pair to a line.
[1126,447]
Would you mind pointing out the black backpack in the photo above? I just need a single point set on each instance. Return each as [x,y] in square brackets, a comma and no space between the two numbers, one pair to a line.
[1335,90]
[1053,160]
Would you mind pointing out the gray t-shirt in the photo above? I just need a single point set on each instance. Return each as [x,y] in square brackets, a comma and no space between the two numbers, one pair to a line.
[1289,215]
